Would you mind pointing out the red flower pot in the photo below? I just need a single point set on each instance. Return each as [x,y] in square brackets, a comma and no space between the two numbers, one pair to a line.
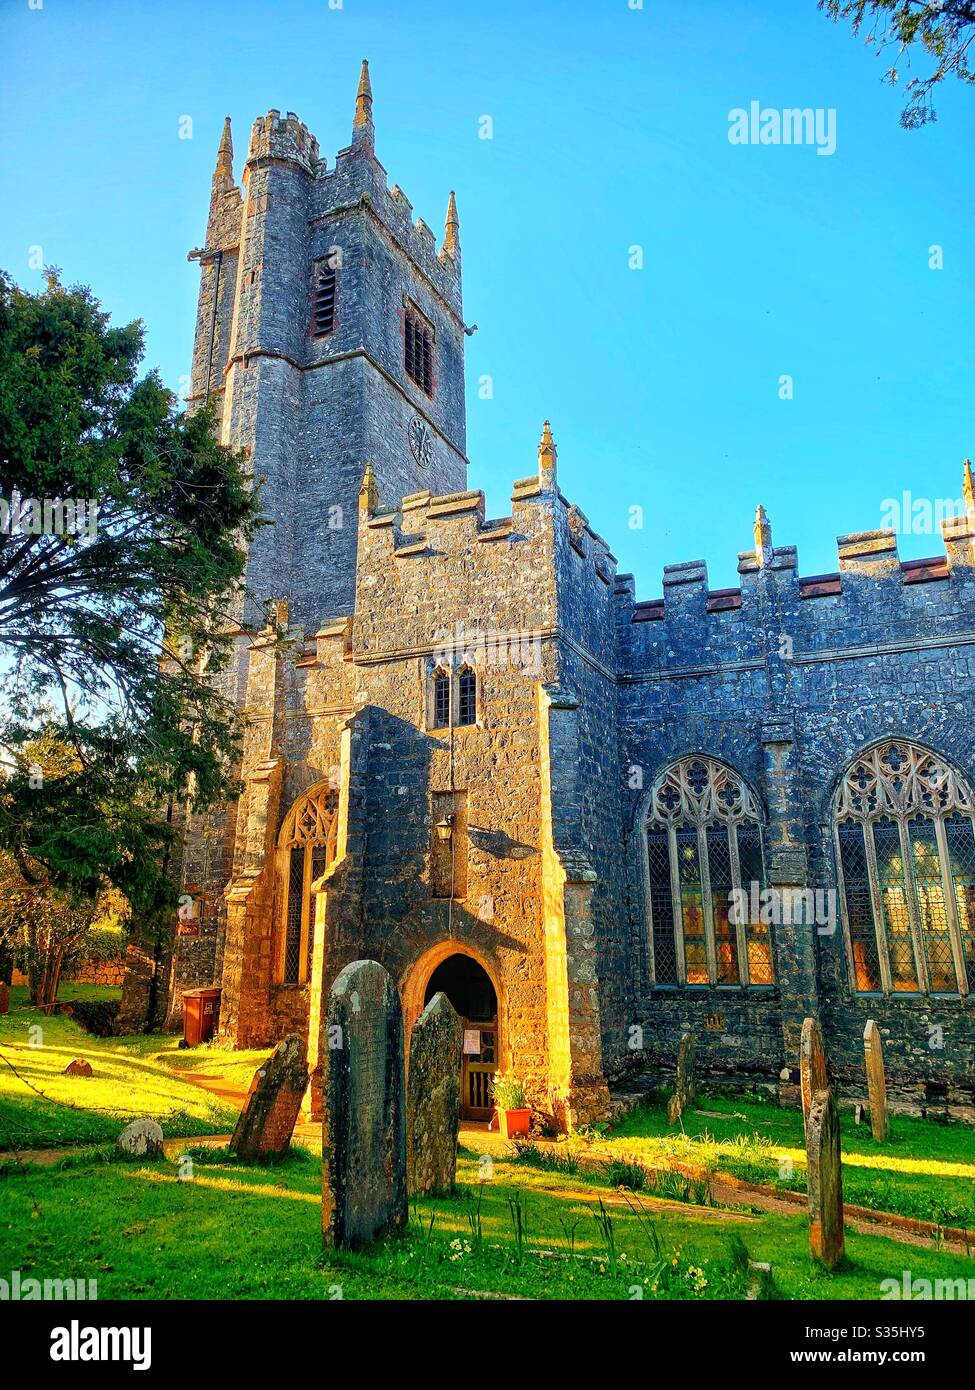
[513,1124]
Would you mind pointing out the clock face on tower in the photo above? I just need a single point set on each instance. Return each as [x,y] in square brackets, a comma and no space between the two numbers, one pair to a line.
[421,441]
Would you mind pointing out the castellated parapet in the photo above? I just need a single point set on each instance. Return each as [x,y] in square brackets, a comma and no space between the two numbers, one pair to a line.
[872,596]
[288,141]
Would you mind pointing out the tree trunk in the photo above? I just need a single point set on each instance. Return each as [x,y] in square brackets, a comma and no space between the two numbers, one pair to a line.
[157,949]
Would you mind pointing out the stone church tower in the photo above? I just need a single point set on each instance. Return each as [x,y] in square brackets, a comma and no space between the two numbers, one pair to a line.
[312,278]
[473,754]
[330,336]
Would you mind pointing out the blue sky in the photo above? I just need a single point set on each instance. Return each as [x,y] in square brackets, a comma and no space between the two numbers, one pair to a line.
[610,131]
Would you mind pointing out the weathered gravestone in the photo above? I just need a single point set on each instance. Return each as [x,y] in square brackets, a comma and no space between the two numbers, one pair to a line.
[363,1121]
[4,997]
[824,1180]
[143,1138]
[873,1056]
[267,1121]
[685,1087]
[813,1070]
[433,1098]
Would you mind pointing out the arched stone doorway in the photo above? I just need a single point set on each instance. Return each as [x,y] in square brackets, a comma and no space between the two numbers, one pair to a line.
[464,980]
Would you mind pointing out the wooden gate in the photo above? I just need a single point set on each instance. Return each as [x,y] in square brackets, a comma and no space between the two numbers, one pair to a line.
[478,1068]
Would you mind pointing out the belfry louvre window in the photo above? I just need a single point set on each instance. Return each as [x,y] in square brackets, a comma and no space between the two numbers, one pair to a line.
[905,846]
[704,857]
[419,351]
[323,298]
[306,848]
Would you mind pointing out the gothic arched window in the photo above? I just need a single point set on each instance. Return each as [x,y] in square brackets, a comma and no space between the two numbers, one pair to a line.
[441,699]
[307,847]
[466,696]
[905,846]
[704,861]
[451,698]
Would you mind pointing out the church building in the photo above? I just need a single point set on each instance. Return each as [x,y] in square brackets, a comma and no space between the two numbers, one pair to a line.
[472,753]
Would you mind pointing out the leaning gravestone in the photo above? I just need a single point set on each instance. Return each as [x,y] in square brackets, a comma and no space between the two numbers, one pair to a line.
[363,1129]
[685,1087]
[143,1138]
[873,1056]
[824,1180]
[813,1070]
[267,1121]
[433,1098]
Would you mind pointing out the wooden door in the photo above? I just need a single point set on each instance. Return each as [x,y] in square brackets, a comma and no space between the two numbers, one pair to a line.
[480,1062]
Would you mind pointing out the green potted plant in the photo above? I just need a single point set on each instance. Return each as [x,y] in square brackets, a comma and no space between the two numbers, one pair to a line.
[511,1106]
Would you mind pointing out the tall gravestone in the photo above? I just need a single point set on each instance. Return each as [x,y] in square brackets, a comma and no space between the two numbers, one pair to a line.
[267,1121]
[873,1056]
[433,1098]
[824,1180]
[813,1070]
[363,1120]
[685,1086]
[4,997]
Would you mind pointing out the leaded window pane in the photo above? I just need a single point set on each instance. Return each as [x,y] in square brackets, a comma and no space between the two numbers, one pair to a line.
[692,908]
[893,895]
[961,852]
[932,909]
[292,939]
[467,698]
[319,863]
[757,934]
[441,700]
[859,912]
[725,931]
[661,908]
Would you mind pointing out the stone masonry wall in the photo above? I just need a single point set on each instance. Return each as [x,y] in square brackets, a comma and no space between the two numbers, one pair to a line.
[870,653]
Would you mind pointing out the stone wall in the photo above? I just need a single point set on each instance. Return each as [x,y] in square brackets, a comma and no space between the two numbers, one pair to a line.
[834,664]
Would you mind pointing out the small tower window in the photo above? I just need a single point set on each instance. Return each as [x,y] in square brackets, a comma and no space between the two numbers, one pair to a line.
[467,697]
[323,298]
[418,351]
[441,700]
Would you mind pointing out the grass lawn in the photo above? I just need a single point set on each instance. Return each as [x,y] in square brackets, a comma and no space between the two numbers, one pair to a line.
[133,1077]
[236,1231]
[515,1227]
[924,1169]
[71,990]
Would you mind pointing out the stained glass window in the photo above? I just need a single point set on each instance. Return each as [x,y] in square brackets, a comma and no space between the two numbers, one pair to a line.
[906,850]
[704,873]
[307,844]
